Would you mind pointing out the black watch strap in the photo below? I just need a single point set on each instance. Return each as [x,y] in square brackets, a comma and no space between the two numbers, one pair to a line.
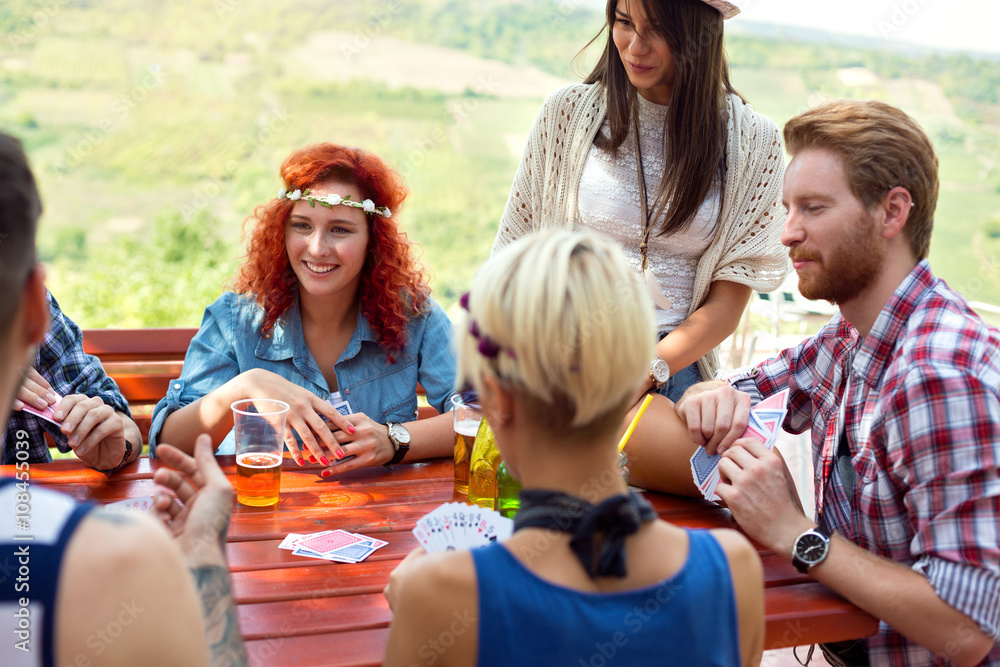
[400,442]
[399,455]
[125,458]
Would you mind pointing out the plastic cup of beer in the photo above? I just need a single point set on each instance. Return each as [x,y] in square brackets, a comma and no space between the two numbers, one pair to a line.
[259,428]
[467,414]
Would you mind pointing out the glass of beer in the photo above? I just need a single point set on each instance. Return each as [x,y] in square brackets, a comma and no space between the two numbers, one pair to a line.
[467,413]
[259,428]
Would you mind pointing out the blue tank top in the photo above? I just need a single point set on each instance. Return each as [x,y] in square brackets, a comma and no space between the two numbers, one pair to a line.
[35,527]
[687,619]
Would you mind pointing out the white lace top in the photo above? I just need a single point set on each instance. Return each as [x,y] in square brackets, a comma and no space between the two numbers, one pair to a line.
[747,248]
[608,202]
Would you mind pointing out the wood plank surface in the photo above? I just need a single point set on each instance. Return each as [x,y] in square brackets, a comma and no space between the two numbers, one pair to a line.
[302,611]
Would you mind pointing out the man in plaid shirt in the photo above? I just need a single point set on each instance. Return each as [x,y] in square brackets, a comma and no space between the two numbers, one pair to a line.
[94,419]
[900,392]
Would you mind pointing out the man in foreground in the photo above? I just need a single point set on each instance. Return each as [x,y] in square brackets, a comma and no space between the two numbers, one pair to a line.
[80,586]
[900,391]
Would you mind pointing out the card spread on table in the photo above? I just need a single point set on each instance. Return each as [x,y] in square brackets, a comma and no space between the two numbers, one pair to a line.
[459,526]
[333,545]
[765,422]
[143,504]
[48,414]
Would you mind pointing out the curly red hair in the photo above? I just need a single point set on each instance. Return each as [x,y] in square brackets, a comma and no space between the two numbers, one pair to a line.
[393,285]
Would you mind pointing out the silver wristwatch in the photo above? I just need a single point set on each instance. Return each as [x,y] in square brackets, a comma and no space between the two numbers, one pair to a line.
[811,548]
[659,372]
[400,439]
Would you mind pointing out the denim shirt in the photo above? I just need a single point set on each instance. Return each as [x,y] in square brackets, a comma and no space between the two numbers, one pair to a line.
[229,342]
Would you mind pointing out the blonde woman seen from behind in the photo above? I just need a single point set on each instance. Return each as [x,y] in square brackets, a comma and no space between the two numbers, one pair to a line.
[557,343]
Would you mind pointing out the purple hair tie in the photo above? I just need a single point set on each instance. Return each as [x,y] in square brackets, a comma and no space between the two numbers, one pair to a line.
[487,346]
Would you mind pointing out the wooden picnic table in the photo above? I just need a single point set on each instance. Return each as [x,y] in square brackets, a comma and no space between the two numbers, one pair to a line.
[302,611]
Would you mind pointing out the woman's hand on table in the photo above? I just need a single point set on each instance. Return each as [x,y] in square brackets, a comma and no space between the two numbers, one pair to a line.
[391,590]
[368,443]
[307,416]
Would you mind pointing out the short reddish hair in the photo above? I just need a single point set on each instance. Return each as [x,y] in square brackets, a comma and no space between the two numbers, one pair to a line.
[393,285]
[881,148]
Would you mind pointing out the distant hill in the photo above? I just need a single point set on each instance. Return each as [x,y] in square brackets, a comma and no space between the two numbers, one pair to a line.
[156,127]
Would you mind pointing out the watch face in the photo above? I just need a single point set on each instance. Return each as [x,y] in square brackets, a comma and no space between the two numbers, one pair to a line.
[399,433]
[811,547]
[660,371]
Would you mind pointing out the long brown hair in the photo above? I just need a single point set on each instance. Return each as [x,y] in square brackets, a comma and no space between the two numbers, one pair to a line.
[694,134]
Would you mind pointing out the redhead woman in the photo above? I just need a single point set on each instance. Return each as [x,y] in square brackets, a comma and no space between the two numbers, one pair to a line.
[558,341]
[330,308]
[657,151]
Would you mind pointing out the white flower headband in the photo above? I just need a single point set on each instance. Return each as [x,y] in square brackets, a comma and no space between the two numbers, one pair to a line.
[330,201]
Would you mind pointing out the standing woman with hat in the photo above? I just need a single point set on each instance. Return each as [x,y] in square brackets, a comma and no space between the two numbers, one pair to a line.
[657,151]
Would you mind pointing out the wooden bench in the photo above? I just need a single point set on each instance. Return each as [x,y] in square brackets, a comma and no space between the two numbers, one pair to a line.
[144,361]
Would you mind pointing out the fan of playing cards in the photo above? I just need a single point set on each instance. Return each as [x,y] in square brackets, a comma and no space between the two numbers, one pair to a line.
[336,545]
[459,526]
[765,420]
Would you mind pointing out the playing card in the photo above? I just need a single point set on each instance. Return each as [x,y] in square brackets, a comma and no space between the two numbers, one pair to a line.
[765,421]
[778,401]
[356,552]
[459,526]
[311,545]
[290,541]
[702,465]
[48,414]
[377,543]
[339,404]
[327,542]
[143,504]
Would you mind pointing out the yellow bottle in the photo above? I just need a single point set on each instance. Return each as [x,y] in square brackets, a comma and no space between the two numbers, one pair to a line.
[483,468]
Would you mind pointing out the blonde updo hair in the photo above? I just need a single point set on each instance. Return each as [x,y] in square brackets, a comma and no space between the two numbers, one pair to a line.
[563,321]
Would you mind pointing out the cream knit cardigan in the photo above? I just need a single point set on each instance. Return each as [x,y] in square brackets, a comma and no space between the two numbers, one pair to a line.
[746,248]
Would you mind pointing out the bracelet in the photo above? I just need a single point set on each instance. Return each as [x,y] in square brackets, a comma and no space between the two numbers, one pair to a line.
[125,457]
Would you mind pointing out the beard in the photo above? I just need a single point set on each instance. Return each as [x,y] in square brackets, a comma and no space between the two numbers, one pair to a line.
[848,269]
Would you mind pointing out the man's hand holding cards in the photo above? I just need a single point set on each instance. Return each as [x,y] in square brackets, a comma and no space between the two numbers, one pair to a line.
[765,421]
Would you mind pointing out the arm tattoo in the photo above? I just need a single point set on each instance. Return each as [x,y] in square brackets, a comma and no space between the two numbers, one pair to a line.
[222,629]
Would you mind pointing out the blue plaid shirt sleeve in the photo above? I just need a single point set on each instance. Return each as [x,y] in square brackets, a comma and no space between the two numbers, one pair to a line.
[63,363]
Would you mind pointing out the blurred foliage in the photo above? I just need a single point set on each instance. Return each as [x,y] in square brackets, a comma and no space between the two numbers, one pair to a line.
[161,279]
[992,229]
[146,179]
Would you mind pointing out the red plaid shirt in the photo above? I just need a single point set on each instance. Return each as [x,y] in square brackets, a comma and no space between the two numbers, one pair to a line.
[923,425]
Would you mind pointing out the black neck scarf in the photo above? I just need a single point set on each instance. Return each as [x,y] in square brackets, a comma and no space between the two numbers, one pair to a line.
[598,531]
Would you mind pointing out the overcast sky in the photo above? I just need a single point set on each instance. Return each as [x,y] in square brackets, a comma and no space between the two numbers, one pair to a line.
[955,24]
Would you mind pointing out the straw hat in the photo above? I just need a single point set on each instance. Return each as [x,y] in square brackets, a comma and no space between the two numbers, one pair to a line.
[727,9]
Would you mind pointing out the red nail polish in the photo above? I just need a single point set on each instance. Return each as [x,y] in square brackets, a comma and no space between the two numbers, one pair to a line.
[351,429]
[325,473]
[340,453]
[300,460]
[325,460]
[312,459]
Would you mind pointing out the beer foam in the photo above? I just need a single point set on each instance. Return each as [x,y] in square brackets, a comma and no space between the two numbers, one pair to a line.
[467,427]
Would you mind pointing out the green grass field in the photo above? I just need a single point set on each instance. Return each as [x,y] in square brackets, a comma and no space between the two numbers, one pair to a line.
[142,131]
